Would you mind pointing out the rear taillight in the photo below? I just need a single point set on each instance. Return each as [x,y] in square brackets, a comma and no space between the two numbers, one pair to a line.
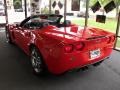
[79,46]
[68,48]
[111,39]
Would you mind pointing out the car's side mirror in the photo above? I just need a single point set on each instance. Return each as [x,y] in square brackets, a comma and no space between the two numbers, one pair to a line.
[18,26]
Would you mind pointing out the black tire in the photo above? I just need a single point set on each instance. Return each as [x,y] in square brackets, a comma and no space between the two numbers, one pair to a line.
[38,67]
[8,37]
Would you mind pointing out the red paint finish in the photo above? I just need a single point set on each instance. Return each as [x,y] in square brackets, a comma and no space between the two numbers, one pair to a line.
[65,48]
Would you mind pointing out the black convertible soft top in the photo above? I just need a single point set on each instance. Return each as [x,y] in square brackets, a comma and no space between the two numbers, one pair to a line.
[42,16]
[47,15]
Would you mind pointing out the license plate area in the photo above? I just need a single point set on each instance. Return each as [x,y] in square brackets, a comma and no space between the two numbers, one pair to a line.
[95,54]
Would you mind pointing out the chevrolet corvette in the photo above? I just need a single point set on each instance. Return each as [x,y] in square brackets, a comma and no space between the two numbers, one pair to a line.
[59,46]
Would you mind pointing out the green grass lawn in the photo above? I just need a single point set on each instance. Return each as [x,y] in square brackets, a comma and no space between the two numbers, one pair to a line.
[110,25]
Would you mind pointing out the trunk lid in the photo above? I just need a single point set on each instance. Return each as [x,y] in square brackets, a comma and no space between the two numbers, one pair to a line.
[74,33]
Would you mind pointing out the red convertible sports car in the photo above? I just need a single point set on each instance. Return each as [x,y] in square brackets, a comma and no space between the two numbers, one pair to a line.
[59,46]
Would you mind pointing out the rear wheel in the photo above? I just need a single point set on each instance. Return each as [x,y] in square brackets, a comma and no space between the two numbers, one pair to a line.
[37,62]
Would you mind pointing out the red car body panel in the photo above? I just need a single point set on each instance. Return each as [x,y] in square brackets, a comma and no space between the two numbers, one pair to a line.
[51,40]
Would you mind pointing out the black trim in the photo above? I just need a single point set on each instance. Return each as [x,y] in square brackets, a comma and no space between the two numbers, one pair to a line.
[92,38]
[117,49]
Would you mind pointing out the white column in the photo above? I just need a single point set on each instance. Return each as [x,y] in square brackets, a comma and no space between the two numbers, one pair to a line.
[50,5]
[65,9]
[35,6]
[87,9]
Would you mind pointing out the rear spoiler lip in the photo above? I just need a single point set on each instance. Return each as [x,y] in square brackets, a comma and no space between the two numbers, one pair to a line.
[97,37]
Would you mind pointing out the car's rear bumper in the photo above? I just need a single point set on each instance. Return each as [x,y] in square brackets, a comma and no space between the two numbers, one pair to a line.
[76,60]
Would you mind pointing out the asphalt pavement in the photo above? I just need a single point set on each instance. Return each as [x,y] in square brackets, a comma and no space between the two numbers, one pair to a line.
[16,74]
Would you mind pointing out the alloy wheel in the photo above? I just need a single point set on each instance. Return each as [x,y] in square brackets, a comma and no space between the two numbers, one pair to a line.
[36,61]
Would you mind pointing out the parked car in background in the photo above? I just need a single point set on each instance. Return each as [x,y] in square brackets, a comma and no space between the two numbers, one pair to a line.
[59,46]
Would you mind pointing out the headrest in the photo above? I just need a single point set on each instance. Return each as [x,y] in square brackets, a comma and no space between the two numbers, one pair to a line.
[45,24]
[67,22]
